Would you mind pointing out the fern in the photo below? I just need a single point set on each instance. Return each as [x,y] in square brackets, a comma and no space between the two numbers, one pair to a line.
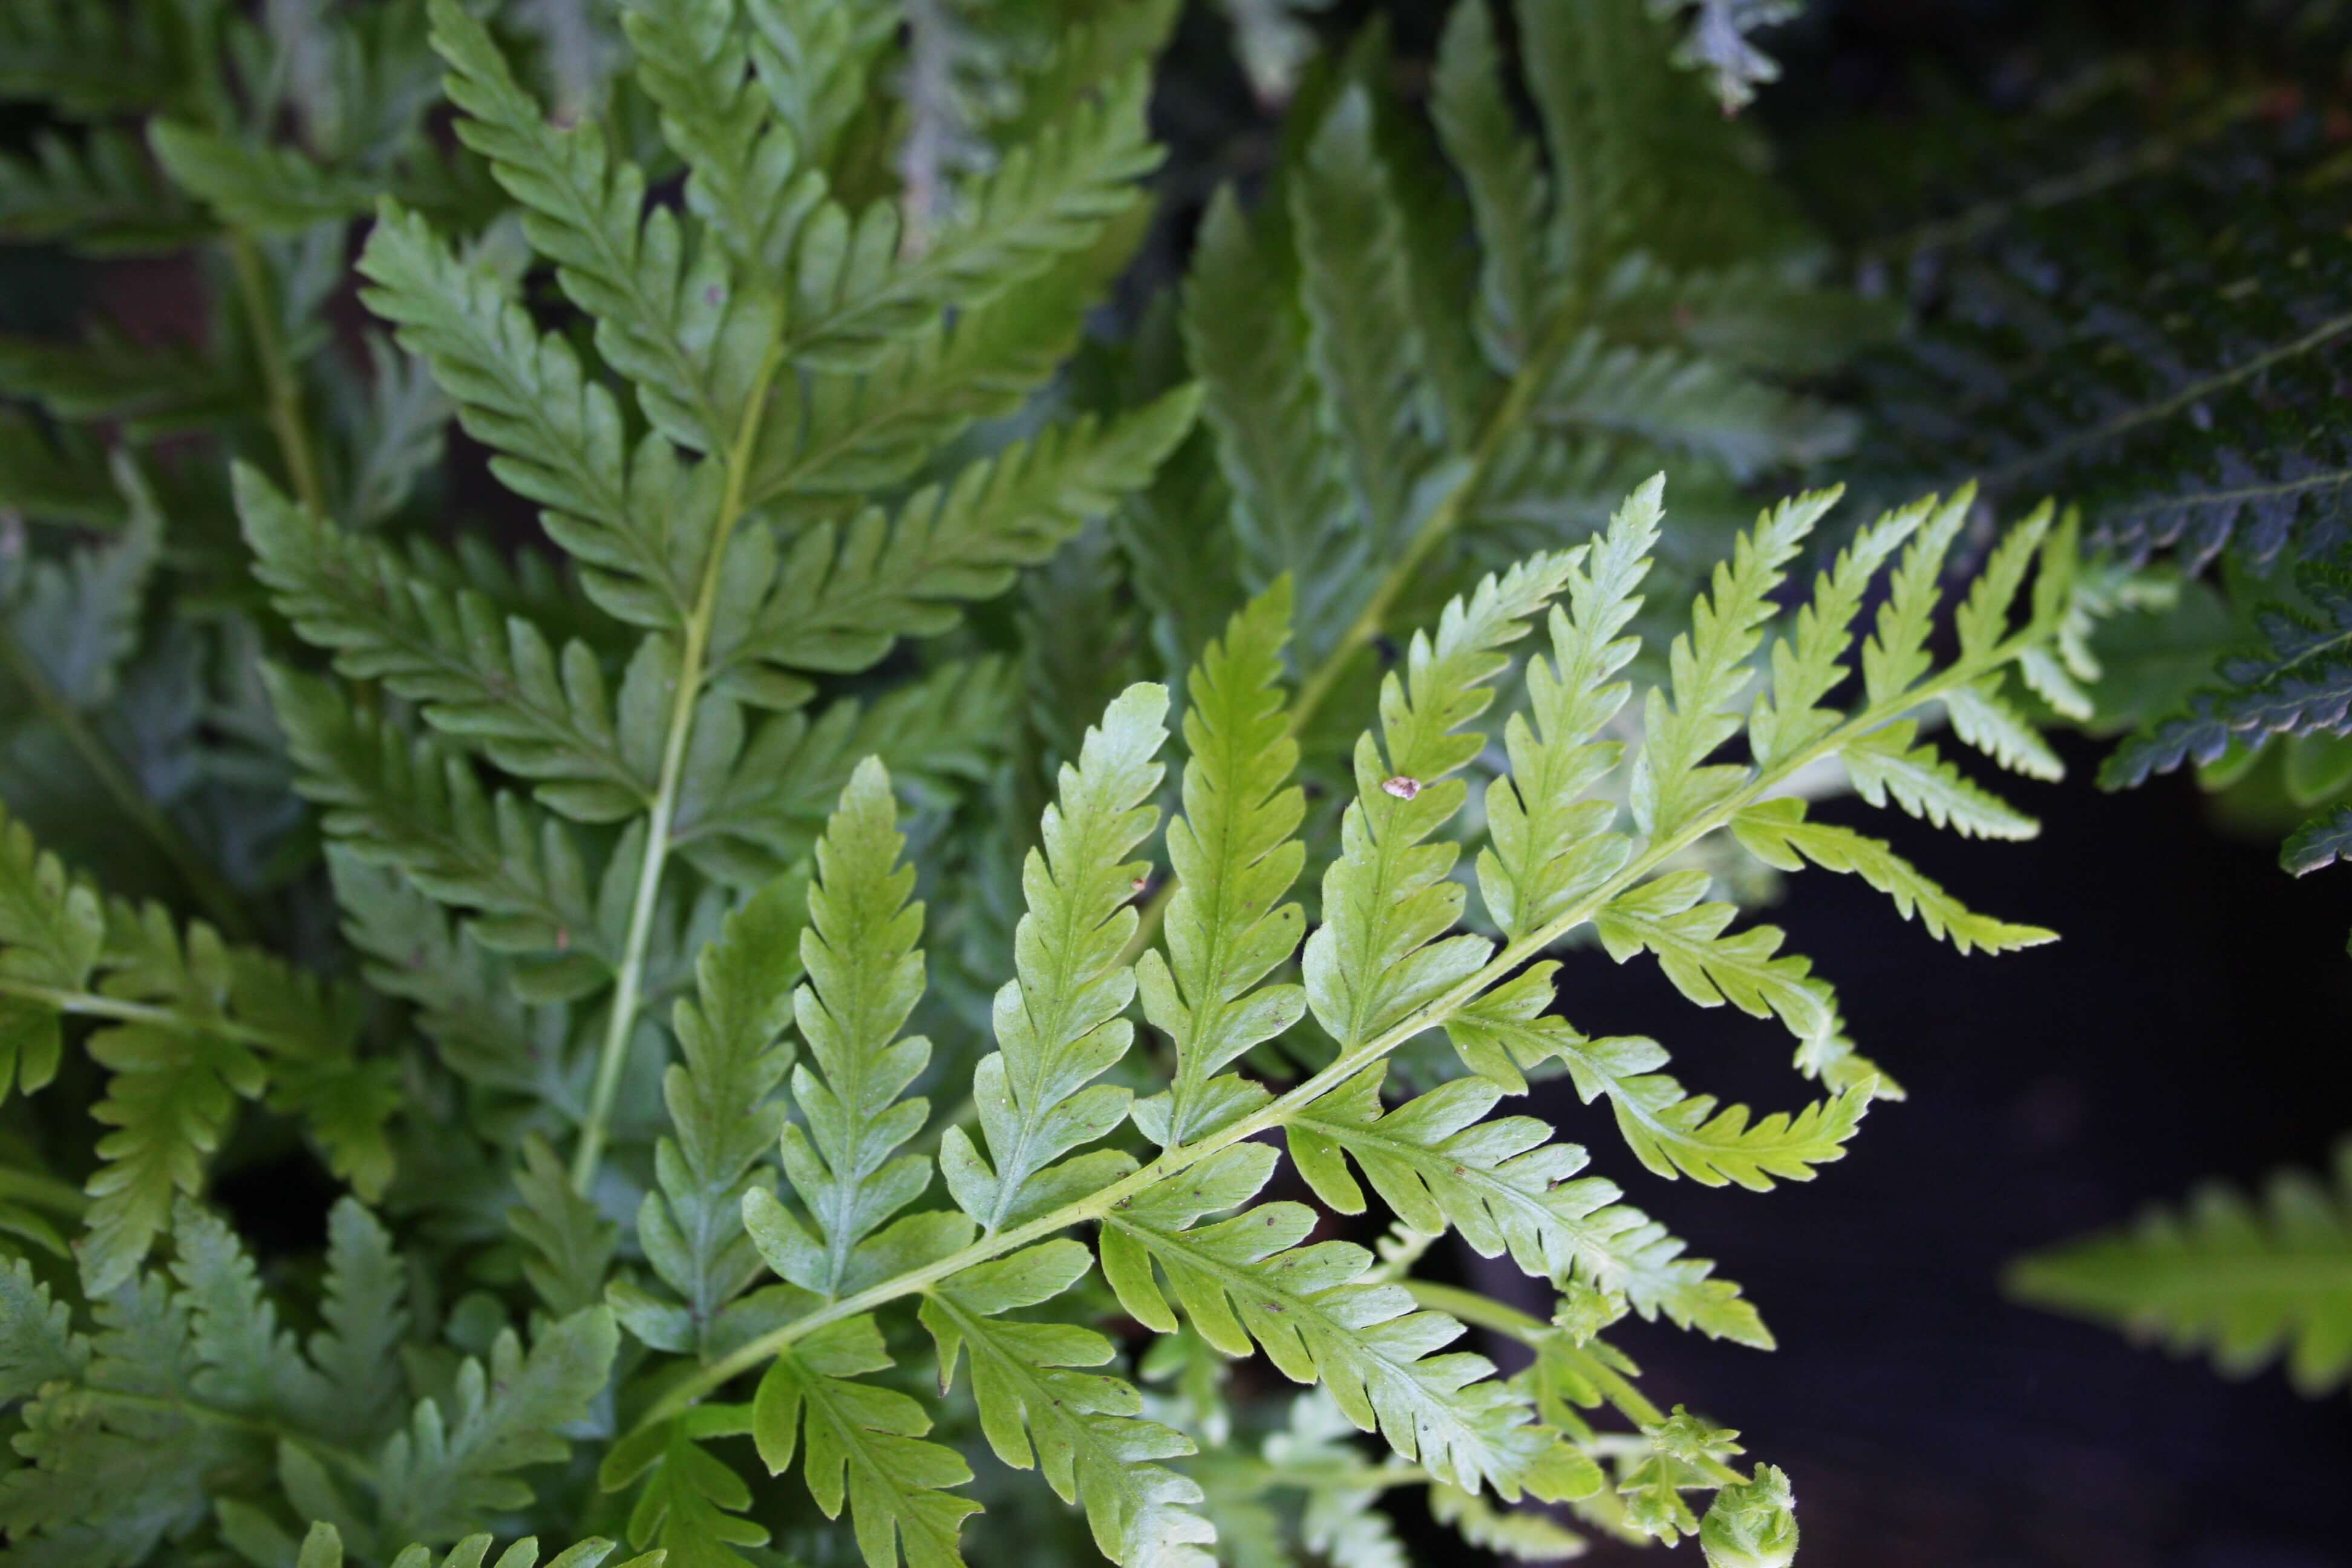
[724,995]
[2243,1281]
[1378,973]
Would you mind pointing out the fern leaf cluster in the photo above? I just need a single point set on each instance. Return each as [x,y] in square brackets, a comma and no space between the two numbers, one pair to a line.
[832,932]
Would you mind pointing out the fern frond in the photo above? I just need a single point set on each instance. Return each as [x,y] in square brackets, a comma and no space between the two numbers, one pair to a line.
[1362,340]
[1084,1431]
[322,1547]
[1234,855]
[1776,833]
[1247,339]
[404,804]
[556,434]
[1248,1281]
[1549,846]
[935,734]
[724,1121]
[1670,782]
[865,1445]
[841,599]
[2240,1280]
[664,319]
[853,295]
[1507,188]
[844,1158]
[1058,1025]
[1665,918]
[454,1465]
[485,679]
[98,193]
[1379,953]
[1675,1133]
[254,187]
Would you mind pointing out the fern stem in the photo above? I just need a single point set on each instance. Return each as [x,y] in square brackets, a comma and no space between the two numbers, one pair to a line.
[1280,1111]
[43,1192]
[220,901]
[89,1005]
[278,374]
[630,975]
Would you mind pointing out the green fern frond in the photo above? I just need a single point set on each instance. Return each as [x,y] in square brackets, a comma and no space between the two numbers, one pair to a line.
[1234,855]
[1776,833]
[1058,1026]
[1084,1431]
[843,1159]
[2240,1280]
[404,804]
[1675,1133]
[724,1120]
[1373,961]
[485,679]
[1248,1281]
[864,1445]
[454,1464]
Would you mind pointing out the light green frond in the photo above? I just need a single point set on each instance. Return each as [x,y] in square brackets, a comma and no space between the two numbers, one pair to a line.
[2241,1279]
[1058,1025]
[864,1445]
[1672,781]
[1522,1535]
[1983,717]
[1806,665]
[1746,968]
[1234,854]
[843,1158]
[322,1547]
[1778,833]
[1248,1281]
[1893,762]
[1896,658]
[1084,1431]
[1550,846]
[1388,899]
[1673,1133]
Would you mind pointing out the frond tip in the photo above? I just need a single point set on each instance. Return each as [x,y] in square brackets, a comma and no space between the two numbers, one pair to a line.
[2240,1280]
